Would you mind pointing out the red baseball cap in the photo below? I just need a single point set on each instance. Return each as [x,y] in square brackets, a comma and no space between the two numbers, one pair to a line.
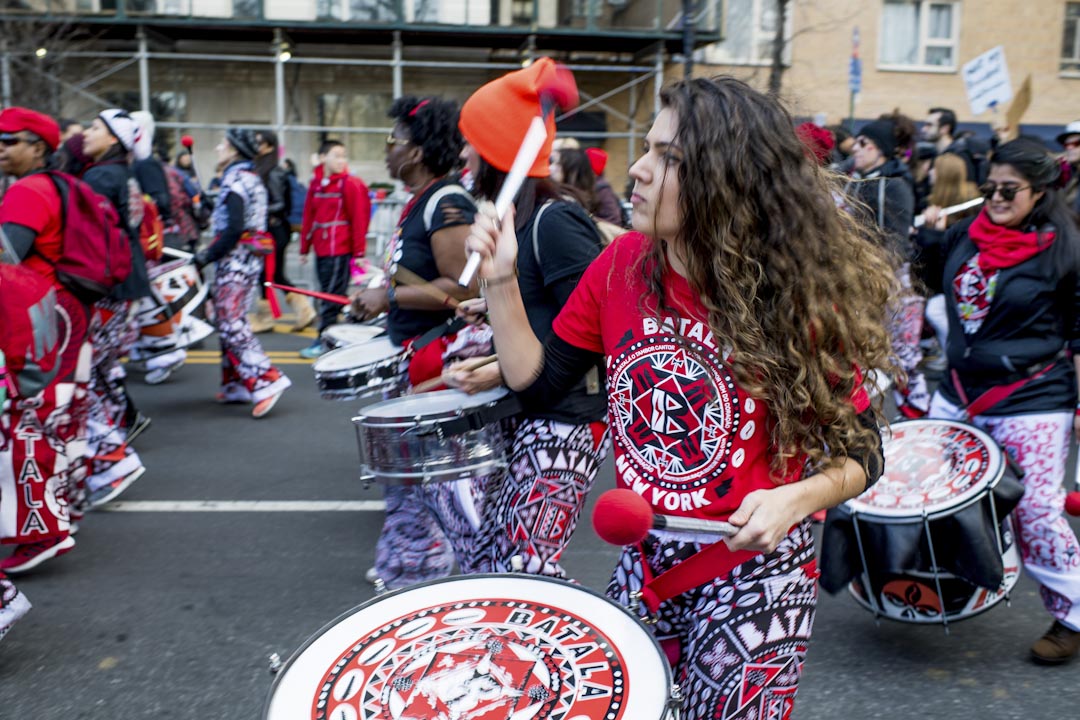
[15,119]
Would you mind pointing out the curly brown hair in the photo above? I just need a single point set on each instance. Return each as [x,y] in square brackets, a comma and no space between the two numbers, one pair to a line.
[790,283]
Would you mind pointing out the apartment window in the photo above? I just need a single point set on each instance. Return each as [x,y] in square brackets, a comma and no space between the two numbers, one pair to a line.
[750,32]
[1070,44]
[249,9]
[919,34]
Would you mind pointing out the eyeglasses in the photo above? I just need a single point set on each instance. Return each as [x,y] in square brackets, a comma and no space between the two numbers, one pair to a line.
[391,140]
[1008,192]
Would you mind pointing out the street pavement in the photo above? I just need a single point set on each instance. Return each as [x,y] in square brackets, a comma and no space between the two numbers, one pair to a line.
[172,613]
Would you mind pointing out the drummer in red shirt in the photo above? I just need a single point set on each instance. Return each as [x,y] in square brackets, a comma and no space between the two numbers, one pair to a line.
[35,514]
[733,320]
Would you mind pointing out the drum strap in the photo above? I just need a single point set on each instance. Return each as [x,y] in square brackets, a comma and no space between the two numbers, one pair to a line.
[482,417]
[712,562]
[998,393]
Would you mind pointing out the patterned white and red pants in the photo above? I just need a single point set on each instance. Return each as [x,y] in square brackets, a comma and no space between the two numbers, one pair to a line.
[1039,443]
[736,645]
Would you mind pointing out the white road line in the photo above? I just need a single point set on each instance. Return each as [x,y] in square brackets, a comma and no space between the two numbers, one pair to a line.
[245,506]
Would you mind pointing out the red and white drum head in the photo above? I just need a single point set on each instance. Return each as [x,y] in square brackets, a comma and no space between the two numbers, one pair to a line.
[484,647]
[932,466]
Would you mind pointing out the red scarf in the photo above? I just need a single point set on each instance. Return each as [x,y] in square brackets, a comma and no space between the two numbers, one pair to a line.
[1001,247]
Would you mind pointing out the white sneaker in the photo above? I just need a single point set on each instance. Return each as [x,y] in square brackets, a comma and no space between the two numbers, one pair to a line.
[160,375]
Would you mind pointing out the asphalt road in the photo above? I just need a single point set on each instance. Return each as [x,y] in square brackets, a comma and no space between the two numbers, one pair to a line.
[173,614]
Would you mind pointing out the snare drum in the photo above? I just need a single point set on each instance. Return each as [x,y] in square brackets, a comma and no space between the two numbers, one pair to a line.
[346,334]
[360,371]
[487,647]
[436,436]
[931,541]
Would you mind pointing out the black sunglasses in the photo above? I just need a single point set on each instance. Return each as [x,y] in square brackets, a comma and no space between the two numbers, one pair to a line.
[1008,192]
[13,140]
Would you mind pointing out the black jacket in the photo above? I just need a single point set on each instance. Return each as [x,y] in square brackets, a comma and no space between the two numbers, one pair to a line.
[151,179]
[1033,317]
[113,179]
[278,191]
[888,202]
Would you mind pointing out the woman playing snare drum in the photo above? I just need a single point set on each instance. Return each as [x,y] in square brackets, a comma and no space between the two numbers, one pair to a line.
[1013,303]
[425,527]
[733,320]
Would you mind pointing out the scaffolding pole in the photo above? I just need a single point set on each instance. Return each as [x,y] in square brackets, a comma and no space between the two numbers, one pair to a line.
[5,74]
[144,71]
[279,49]
[398,65]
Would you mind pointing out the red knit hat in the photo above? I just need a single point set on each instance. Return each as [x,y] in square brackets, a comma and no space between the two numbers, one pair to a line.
[497,116]
[598,160]
[15,119]
[818,141]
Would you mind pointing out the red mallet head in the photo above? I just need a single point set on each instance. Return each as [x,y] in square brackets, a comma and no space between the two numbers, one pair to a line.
[187,141]
[622,517]
[1072,503]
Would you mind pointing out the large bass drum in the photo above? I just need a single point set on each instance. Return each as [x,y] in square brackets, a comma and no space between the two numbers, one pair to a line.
[932,540]
[483,647]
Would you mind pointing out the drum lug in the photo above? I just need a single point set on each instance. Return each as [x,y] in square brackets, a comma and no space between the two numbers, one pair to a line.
[275,663]
[635,607]
[675,702]
[380,587]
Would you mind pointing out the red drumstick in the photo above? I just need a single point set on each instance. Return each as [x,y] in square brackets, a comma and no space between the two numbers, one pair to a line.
[328,297]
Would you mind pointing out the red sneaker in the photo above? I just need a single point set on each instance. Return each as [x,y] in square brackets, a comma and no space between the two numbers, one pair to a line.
[29,555]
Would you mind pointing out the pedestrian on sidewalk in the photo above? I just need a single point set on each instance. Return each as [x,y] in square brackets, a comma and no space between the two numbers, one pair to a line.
[336,217]
[279,208]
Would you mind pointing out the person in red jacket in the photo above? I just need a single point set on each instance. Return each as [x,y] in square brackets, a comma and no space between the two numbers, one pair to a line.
[336,216]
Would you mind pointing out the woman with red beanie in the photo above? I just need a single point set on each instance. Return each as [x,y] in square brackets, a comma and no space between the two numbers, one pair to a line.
[733,319]
[560,242]
[1013,304]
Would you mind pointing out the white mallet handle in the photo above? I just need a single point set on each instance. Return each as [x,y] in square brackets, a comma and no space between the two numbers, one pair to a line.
[920,220]
[694,525]
[526,156]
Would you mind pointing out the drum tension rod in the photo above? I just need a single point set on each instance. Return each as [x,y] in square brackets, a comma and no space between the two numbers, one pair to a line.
[937,570]
[675,702]
[635,607]
[868,585]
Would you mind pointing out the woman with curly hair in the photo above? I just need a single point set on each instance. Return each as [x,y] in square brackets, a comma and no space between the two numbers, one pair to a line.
[734,319]
[426,526]
[1013,303]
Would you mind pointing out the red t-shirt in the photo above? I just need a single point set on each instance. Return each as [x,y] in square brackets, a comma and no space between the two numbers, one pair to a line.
[35,203]
[687,438]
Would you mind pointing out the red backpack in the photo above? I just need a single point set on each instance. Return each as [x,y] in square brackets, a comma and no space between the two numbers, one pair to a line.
[96,253]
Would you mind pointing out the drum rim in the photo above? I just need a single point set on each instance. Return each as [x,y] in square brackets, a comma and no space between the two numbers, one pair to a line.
[395,356]
[280,675]
[379,331]
[406,421]
[891,518]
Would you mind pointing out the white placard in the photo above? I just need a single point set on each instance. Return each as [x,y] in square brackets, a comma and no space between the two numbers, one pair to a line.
[986,80]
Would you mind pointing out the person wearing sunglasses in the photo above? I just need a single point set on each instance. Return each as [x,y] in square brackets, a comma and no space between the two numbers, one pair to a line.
[1013,302]
[36,517]
[427,527]
[884,198]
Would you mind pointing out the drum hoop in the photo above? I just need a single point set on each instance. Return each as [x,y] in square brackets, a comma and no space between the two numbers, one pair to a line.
[419,421]
[396,357]
[279,677]
[896,519]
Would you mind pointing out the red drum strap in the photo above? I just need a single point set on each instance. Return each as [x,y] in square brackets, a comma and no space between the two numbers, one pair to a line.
[994,395]
[711,563]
